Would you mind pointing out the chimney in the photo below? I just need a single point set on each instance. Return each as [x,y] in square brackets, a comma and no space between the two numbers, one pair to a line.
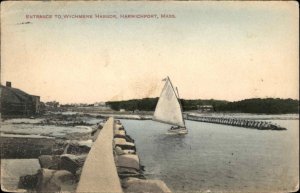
[8,84]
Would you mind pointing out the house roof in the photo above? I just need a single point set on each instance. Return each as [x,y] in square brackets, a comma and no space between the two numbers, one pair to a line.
[14,95]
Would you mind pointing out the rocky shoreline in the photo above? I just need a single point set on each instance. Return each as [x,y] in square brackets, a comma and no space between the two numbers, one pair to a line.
[59,161]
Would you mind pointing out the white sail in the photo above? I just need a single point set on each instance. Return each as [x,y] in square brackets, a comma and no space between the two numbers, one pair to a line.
[168,109]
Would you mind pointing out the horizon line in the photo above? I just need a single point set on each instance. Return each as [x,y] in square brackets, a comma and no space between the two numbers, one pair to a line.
[182,99]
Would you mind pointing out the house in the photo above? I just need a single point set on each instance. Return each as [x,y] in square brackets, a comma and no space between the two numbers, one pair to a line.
[15,102]
[205,108]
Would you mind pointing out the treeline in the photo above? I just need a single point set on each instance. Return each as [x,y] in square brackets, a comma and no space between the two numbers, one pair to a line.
[258,105]
[145,104]
[149,104]
[255,105]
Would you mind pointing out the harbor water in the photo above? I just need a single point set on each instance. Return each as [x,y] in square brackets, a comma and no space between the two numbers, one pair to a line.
[219,158]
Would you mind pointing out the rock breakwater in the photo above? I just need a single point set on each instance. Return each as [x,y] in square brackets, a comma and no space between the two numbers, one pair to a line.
[129,167]
[238,122]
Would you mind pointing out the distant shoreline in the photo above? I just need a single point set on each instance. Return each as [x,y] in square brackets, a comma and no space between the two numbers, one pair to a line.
[253,105]
[147,115]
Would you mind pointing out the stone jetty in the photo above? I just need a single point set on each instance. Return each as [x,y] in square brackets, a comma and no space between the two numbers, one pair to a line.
[113,165]
[238,122]
[99,173]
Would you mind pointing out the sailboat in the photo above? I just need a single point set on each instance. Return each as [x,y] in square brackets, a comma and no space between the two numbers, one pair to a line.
[169,110]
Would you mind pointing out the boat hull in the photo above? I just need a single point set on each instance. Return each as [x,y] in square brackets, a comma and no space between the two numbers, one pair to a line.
[178,131]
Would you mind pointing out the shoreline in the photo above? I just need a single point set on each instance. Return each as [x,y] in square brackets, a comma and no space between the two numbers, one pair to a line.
[149,114]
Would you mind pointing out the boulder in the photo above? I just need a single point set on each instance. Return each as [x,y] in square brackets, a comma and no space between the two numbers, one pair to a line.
[119,127]
[142,186]
[72,163]
[120,151]
[28,182]
[123,144]
[78,174]
[122,141]
[126,147]
[129,172]
[87,143]
[95,135]
[129,139]
[120,132]
[128,161]
[126,137]
[75,147]
[94,129]
[55,181]
[49,161]
[59,146]
[129,151]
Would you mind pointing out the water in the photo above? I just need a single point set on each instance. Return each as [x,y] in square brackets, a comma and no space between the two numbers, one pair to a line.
[219,157]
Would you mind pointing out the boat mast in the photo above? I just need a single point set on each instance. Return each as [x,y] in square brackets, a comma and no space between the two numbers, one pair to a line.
[181,108]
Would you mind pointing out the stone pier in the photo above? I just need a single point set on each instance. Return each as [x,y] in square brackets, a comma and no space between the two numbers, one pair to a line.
[99,173]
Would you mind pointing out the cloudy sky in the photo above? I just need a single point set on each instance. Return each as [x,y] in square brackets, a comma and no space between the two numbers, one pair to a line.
[219,50]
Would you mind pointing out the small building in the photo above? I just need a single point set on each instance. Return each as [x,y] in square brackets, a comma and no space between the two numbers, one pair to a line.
[15,102]
[102,106]
[205,108]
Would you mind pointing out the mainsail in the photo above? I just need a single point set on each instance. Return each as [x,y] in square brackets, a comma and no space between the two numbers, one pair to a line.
[168,109]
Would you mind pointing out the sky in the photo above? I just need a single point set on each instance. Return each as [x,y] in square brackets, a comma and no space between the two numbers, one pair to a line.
[210,50]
